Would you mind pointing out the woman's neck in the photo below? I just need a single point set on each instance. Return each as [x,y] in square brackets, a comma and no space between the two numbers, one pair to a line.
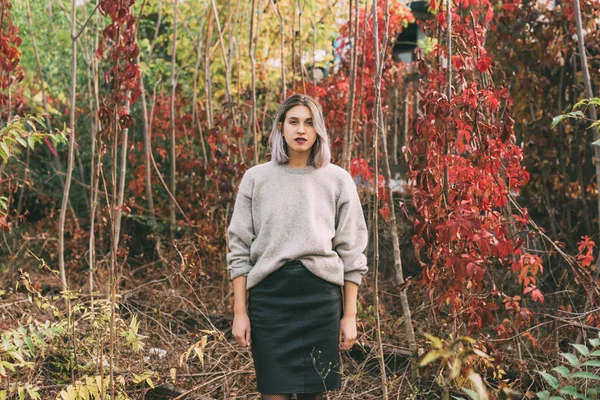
[298,162]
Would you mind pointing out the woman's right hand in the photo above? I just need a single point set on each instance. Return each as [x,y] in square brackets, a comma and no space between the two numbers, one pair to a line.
[241,329]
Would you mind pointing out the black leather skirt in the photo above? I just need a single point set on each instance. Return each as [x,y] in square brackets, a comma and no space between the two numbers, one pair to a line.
[295,323]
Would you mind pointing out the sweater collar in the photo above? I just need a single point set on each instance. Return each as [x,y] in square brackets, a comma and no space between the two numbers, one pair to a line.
[297,171]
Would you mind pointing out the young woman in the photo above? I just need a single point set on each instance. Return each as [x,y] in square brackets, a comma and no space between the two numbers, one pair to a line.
[296,239]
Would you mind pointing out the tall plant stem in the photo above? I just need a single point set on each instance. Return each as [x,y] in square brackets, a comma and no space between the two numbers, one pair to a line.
[173,141]
[588,91]
[347,150]
[195,119]
[225,59]
[70,163]
[301,65]
[251,51]
[282,47]
[94,177]
[377,130]
[207,77]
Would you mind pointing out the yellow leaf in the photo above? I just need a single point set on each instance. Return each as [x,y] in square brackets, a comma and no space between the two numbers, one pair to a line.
[479,386]
[173,372]
[200,354]
[149,382]
[430,357]
[84,393]
[480,353]
[435,341]
[455,371]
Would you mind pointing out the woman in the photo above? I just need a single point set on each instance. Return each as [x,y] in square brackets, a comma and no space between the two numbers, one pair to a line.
[296,238]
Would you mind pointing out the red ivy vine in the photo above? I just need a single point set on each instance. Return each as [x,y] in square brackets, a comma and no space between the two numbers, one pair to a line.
[119,44]
[465,165]
[10,56]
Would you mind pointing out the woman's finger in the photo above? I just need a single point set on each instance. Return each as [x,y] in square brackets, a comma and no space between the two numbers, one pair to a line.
[248,337]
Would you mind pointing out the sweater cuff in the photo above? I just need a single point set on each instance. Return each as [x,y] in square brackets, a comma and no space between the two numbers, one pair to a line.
[238,271]
[353,276]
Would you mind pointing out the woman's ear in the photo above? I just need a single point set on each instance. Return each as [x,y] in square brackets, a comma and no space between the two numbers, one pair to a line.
[279,126]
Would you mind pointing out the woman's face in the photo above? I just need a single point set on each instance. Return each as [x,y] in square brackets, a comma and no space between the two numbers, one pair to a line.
[299,132]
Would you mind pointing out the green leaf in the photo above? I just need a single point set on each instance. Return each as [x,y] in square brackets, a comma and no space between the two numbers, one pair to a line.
[595,342]
[596,143]
[591,363]
[3,394]
[21,141]
[582,349]
[3,155]
[586,375]
[30,345]
[552,381]
[574,114]
[572,391]
[33,393]
[580,103]
[21,391]
[8,365]
[571,358]
[562,371]
[595,353]
[5,148]
[545,395]
[31,142]
[556,398]
[594,390]
[471,393]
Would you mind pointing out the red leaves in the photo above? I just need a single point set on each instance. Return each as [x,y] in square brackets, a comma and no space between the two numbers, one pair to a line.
[464,164]
[360,166]
[10,56]
[119,44]
[586,249]
[483,64]
[536,295]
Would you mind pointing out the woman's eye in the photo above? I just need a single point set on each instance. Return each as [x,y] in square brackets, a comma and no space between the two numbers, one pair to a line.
[309,123]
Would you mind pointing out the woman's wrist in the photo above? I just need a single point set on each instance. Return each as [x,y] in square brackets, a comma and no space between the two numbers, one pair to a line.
[240,311]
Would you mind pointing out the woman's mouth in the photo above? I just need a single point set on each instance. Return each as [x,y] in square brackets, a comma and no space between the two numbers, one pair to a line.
[300,140]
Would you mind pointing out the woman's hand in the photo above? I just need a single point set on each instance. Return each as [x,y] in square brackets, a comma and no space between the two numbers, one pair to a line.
[347,332]
[241,329]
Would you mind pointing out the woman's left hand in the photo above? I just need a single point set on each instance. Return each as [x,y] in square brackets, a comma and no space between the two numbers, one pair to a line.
[347,332]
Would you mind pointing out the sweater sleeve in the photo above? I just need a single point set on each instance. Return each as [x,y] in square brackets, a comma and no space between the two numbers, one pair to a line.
[241,231]
[351,233]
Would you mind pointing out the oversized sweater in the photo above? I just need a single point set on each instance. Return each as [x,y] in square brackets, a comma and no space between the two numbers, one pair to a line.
[310,214]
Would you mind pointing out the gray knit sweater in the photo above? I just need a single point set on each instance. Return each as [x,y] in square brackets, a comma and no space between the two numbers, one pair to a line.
[310,214]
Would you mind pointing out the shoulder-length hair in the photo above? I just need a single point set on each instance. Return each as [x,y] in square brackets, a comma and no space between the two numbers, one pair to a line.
[320,154]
